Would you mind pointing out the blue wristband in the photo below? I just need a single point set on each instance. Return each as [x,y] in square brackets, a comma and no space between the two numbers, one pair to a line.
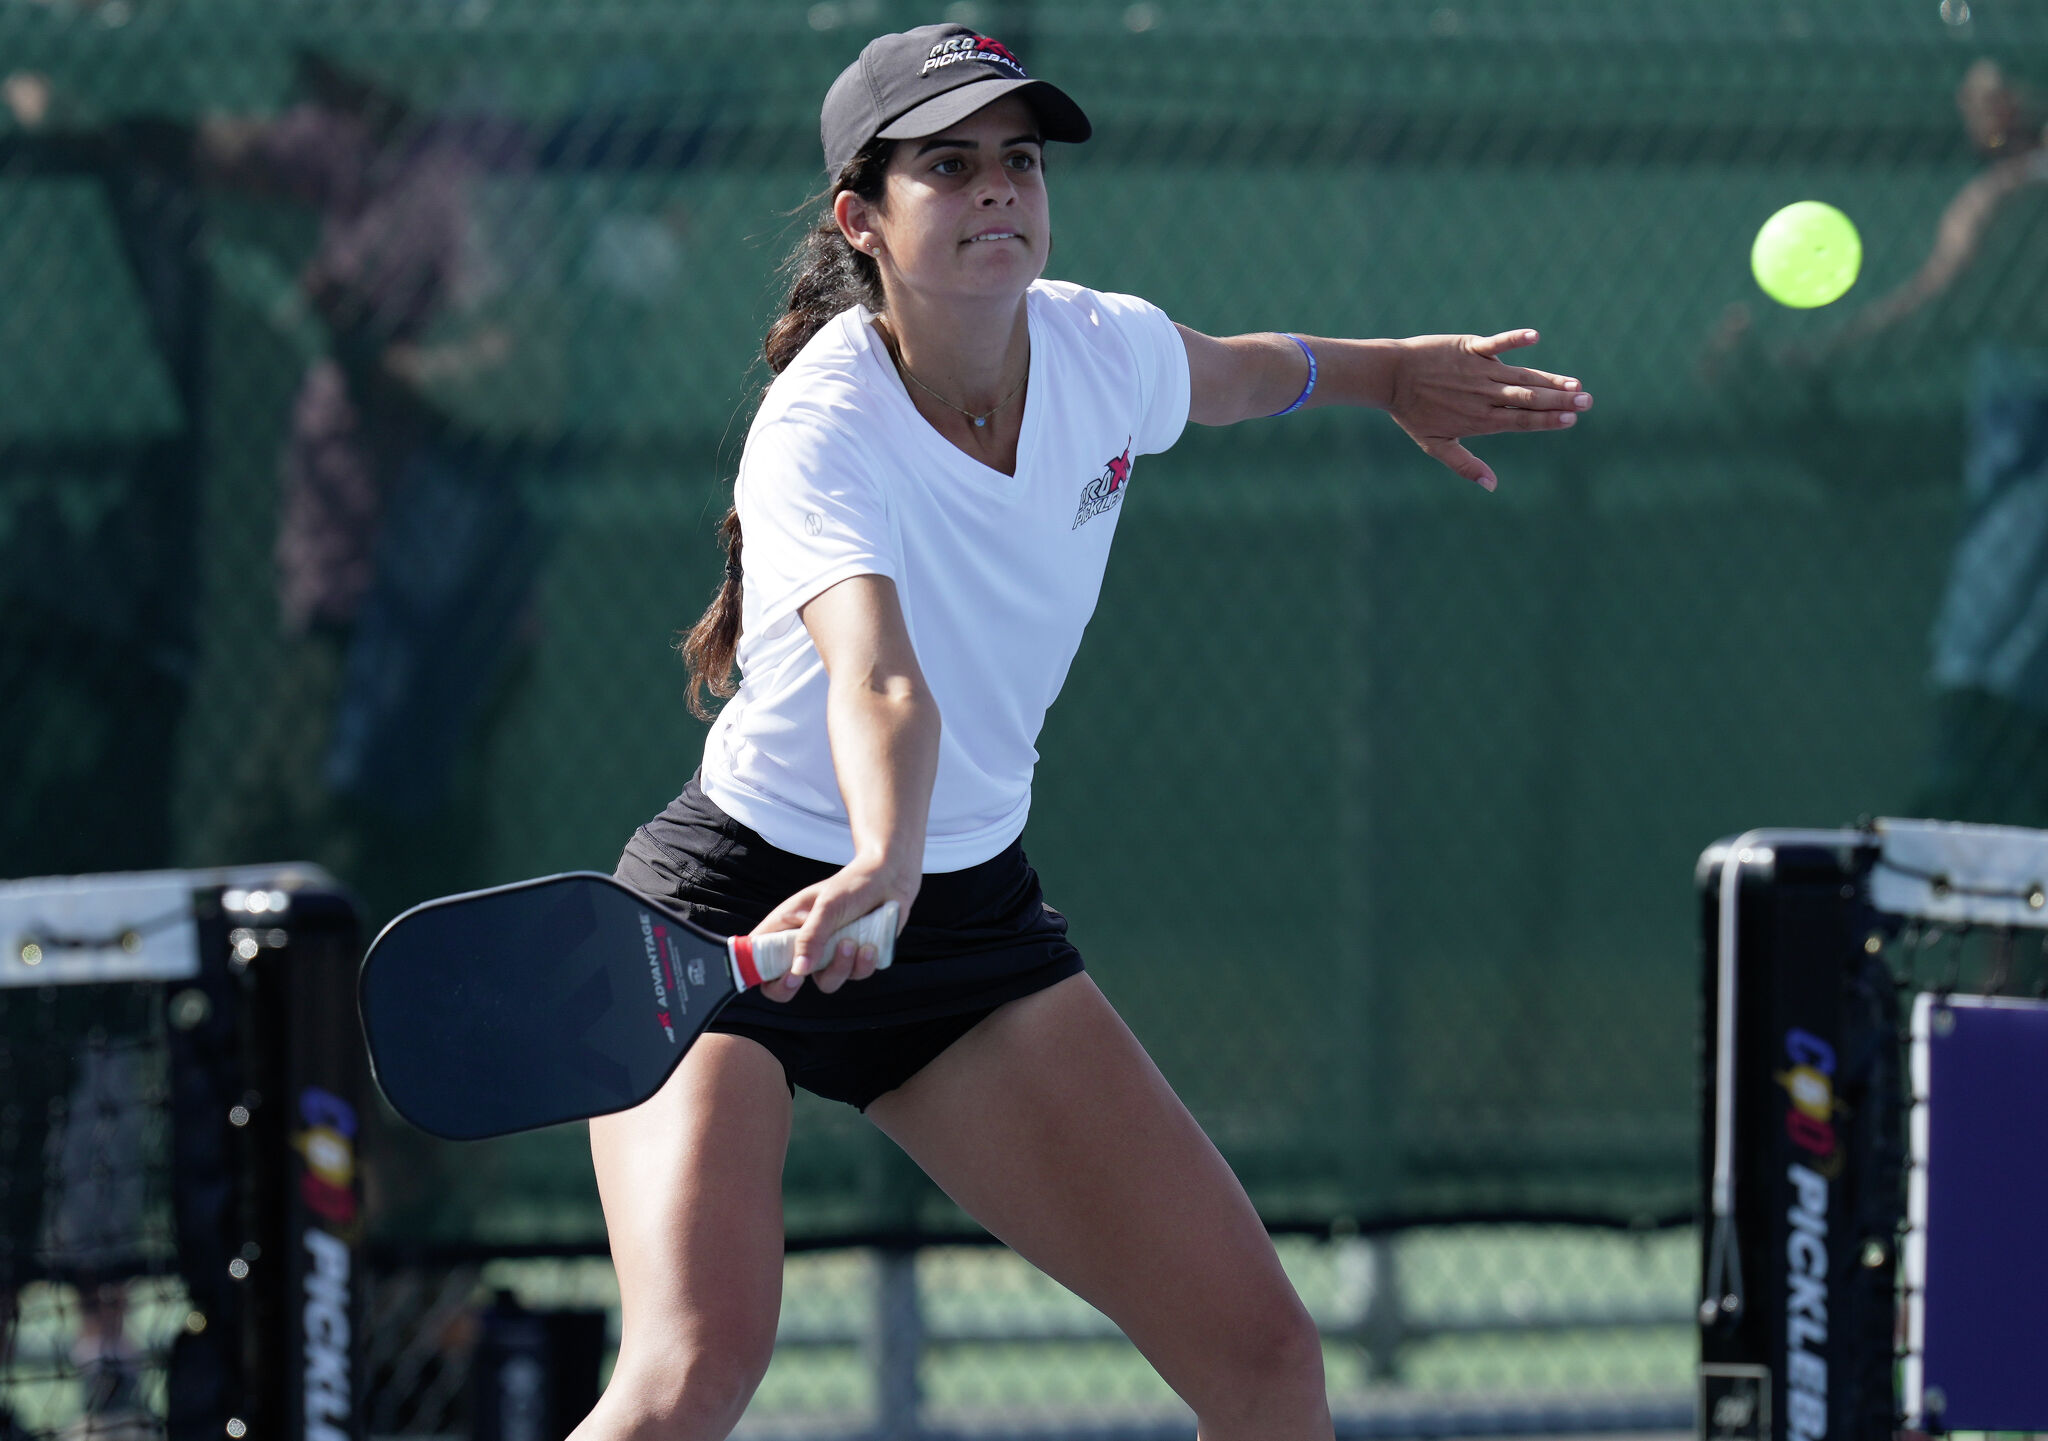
[1306,390]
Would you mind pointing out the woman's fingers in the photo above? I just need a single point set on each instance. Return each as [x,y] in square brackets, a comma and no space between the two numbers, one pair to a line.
[788,916]
[816,913]
[1460,372]
[1452,387]
[836,967]
[1542,398]
[864,963]
[1503,419]
[800,913]
[829,963]
[848,963]
[1463,461]
[826,916]
[834,962]
[1493,419]
[1541,379]
[1491,345]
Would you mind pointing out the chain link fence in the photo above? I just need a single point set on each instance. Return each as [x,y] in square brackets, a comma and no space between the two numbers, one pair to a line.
[1438,1331]
[372,374]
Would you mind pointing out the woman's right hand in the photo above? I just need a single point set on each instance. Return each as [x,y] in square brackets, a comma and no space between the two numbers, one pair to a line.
[815,912]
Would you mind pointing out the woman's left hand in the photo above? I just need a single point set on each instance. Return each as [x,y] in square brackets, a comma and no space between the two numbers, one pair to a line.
[1449,387]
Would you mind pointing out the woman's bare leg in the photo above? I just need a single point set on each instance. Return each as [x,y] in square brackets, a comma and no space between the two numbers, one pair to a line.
[1051,1126]
[692,1189]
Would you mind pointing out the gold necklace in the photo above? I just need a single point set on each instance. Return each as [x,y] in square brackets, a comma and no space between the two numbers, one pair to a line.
[980,421]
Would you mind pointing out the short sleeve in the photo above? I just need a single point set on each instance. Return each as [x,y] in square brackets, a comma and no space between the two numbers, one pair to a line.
[812,513]
[1162,358]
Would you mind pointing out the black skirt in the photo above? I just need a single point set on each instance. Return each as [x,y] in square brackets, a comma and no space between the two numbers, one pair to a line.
[977,938]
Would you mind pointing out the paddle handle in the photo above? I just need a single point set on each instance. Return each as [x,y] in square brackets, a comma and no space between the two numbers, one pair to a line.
[764,958]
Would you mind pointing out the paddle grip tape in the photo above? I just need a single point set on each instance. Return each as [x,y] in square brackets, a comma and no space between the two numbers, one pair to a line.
[763,958]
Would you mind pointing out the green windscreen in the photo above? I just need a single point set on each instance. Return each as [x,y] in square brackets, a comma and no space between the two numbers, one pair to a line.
[1372,799]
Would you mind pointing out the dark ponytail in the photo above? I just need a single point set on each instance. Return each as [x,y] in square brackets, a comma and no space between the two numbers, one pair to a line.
[827,276]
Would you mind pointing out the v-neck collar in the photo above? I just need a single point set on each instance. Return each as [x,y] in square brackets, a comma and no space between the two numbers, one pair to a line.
[892,386]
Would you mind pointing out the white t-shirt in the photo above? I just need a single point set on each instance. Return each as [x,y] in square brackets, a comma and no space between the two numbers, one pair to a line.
[997,574]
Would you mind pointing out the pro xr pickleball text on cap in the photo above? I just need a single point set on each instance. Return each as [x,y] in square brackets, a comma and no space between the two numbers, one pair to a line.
[919,82]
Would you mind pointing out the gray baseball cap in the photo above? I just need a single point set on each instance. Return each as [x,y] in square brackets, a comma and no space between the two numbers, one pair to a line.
[919,82]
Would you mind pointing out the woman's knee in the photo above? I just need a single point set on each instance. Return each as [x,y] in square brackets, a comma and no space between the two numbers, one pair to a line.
[684,1391]
[1284,1344]
[1270,1365]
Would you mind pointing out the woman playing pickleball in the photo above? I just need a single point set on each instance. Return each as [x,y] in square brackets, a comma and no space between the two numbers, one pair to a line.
[922,517]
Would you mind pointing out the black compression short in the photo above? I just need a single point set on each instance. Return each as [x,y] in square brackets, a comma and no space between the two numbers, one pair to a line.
[977,939]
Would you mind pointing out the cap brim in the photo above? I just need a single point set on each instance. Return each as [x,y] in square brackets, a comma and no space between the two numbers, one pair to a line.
[1059,118]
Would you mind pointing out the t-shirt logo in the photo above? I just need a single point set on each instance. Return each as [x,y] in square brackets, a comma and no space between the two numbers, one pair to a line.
[1106,489]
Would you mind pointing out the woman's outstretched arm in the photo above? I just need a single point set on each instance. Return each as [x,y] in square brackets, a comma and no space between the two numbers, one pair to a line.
[884,728]
[1439,388]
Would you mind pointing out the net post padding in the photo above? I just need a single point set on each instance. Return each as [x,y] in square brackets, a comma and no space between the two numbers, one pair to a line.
[1804,1101]
[249,973]
[304,1053]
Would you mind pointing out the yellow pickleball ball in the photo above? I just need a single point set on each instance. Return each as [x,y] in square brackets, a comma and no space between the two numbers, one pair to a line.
[1807,255]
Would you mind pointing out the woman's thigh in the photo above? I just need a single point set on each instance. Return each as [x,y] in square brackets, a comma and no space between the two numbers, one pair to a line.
[1052,1127]
[691,1183]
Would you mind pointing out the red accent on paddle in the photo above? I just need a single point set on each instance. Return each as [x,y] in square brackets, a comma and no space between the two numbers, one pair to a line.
[743,957]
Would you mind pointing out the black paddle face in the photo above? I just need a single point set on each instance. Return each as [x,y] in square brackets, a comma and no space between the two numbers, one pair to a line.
[550,1000]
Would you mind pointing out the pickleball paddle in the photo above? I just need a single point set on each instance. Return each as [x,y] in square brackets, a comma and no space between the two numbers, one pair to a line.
[553,1000]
